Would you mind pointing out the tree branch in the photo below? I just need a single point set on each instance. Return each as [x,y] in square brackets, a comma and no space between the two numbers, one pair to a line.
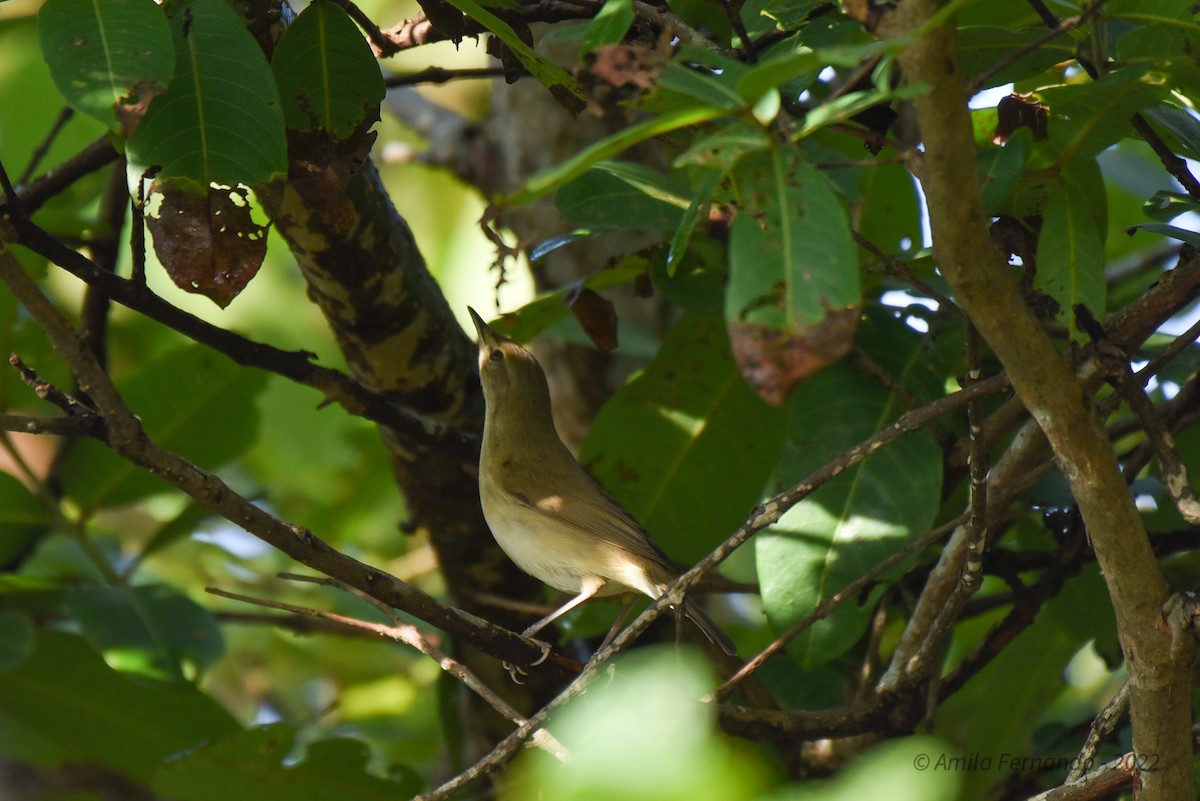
[1159,680]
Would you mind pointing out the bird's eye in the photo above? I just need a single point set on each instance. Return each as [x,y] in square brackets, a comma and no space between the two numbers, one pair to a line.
[497,356]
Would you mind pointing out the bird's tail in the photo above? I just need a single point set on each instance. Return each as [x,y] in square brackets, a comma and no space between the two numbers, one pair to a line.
[711,630]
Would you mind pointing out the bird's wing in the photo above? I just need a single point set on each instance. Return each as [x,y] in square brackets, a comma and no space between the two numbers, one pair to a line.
[599,516]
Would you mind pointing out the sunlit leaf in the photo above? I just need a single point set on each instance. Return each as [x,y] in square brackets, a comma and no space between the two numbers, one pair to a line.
[685,445]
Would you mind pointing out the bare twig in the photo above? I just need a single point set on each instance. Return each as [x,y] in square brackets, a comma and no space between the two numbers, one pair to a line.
[43,147]
[408,634]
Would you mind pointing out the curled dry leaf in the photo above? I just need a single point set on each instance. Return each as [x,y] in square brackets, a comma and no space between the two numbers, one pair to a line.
[1020,111]
[596,315]
[207,242]
[774,361]
[628,65]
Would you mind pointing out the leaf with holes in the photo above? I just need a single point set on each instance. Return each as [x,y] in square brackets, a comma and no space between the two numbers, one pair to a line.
[794,289]
[208,243]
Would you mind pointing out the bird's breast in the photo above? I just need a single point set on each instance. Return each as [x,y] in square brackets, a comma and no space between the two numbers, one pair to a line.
[549,550]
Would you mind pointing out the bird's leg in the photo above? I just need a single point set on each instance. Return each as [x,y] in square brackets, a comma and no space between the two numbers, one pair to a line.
[588,587]
[616,626]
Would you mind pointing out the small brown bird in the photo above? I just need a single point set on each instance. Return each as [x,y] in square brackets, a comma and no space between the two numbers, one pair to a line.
[552,518]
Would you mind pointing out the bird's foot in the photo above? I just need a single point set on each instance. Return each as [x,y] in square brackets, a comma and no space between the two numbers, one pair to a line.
[516,671]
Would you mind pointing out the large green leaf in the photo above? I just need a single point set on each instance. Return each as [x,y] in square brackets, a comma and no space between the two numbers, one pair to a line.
[149,629]
[791,255]
[685,445]
[328,78]
[981,47]
[63,704]
[1087,118]
[108,59]
[191,401]
[1002,706]
[856,520]
[221,120]
[1070,253]
[257,764]
[24,519]
[548,180]
[1161,30]
[624,195]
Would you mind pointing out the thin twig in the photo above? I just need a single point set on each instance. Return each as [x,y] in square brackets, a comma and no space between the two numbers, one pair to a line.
[43,147]
[409,635]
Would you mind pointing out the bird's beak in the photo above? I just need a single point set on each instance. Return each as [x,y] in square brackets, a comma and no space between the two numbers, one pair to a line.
[485,334]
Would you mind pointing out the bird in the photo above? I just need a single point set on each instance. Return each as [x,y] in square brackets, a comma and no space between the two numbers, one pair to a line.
[551,518]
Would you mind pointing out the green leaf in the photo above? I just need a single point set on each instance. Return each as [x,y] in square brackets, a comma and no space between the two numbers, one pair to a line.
[791,256]
[687,223]
[624,195]
[980,47]
[685,445]
[609,26]
[1070,253]
[328,78]
[108,59]
[999,168]
[1174,232]
[220,121]
[257,764]
[63,704]
[24,519]
[1087,118]
[725,146]
[553,77]
[859,518]
[889,213]
[1000,714]
[1180,128]
[713,82]
[17,637]
[149,629]
[191,401]
[615,755]
[551,178]
[1161,30]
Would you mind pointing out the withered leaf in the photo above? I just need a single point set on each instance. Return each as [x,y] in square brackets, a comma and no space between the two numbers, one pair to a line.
[207,242]
[320,166]
[596,315]
[1020,111]
[624,65]
[774,361]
